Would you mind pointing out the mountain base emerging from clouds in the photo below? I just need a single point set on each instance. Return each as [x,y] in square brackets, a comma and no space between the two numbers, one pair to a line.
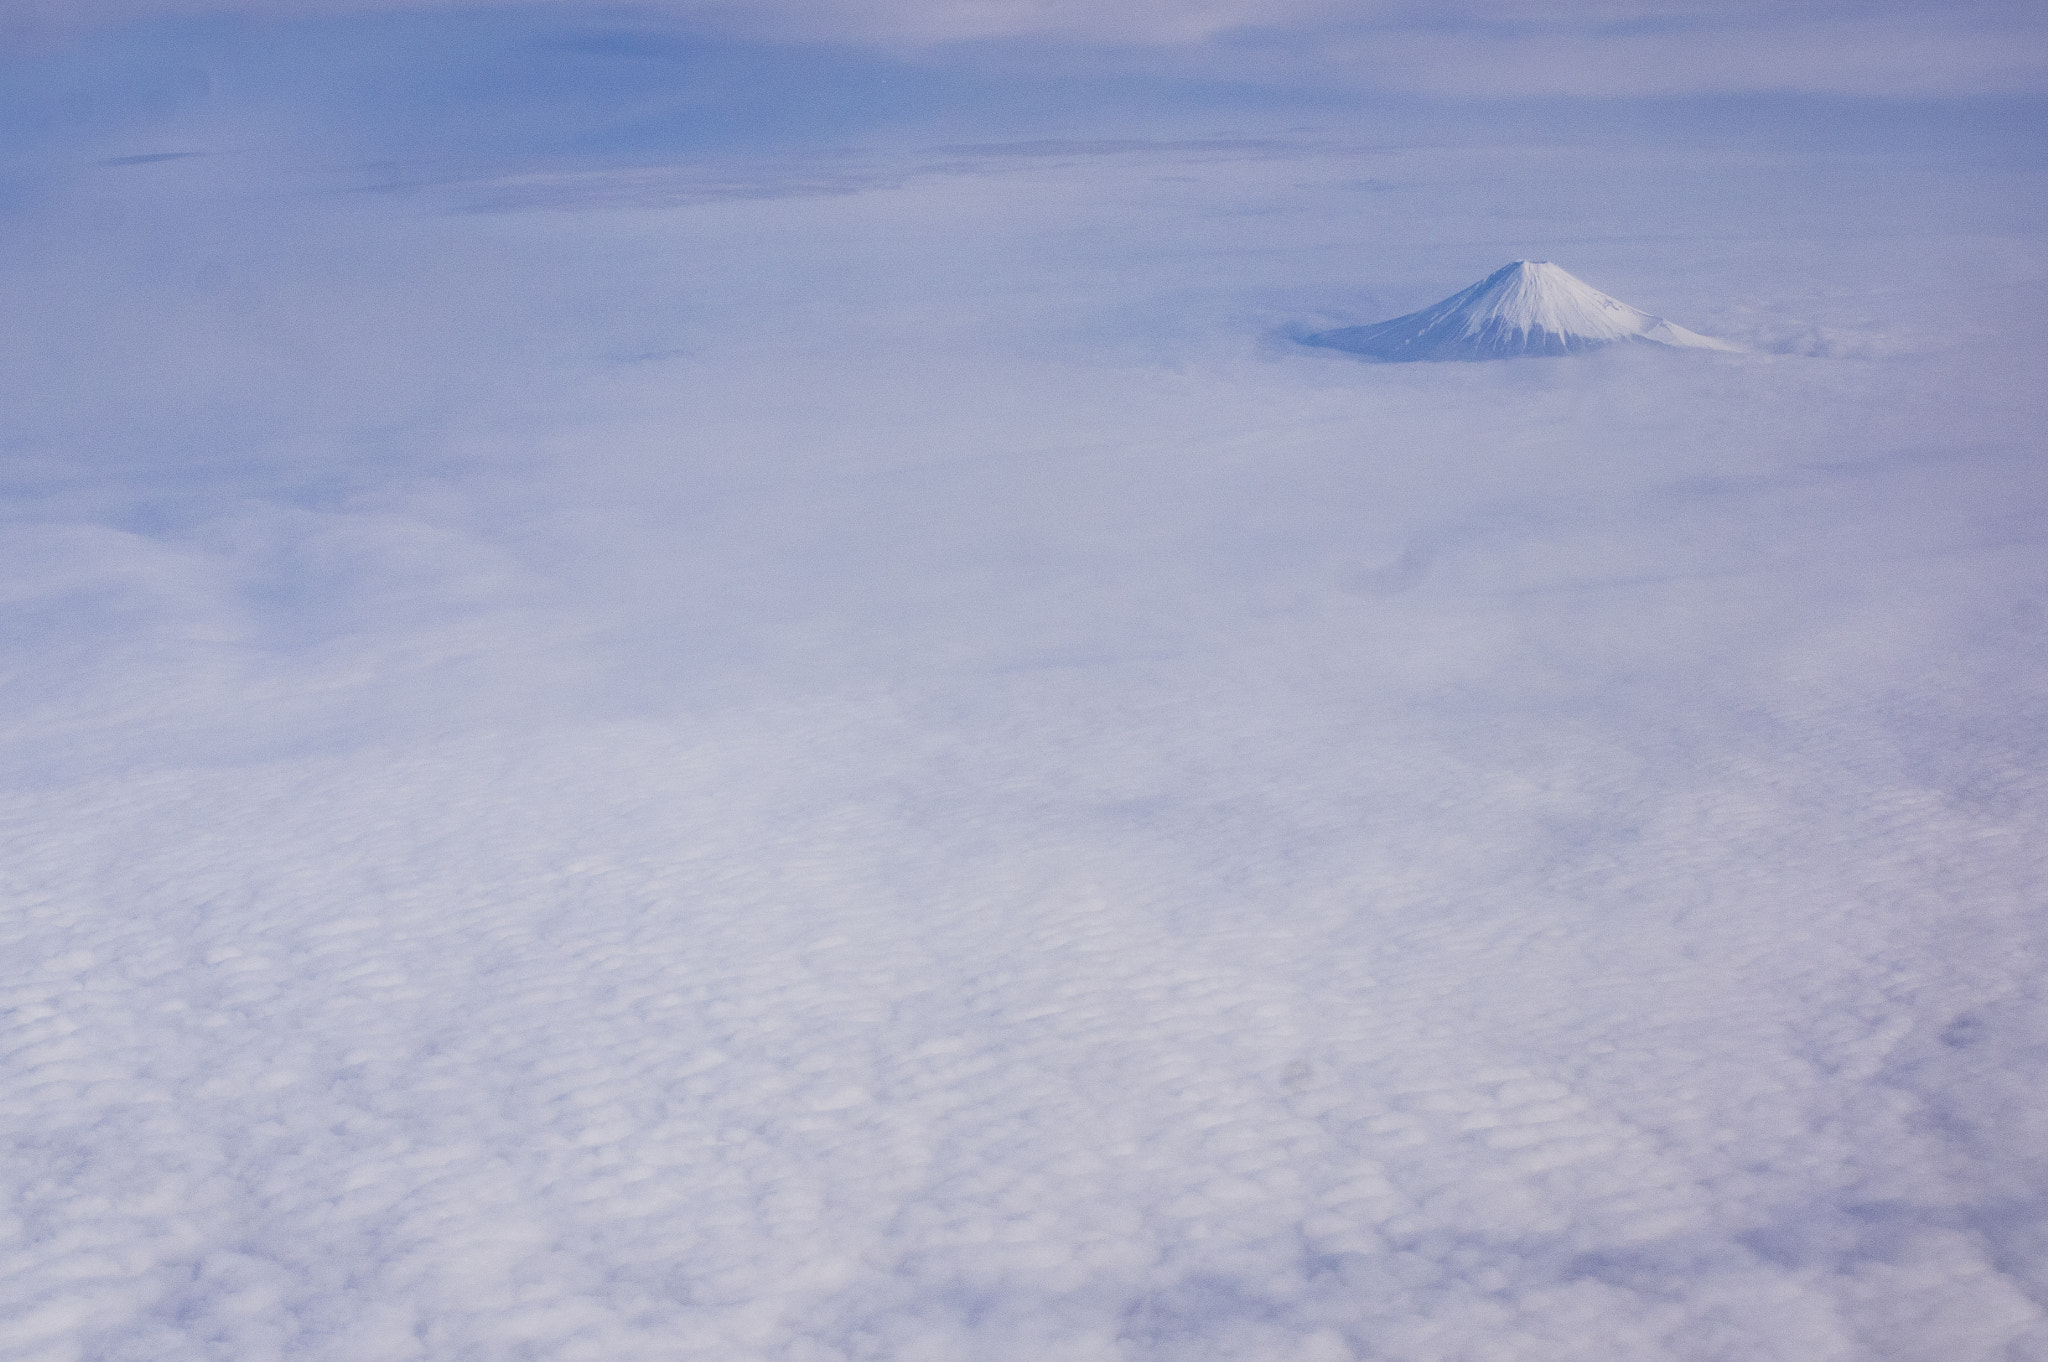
[1528,308]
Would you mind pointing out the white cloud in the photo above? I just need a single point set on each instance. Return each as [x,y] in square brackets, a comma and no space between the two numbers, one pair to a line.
[879,774]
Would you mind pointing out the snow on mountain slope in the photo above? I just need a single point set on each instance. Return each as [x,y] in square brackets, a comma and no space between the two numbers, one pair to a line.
[1530,307]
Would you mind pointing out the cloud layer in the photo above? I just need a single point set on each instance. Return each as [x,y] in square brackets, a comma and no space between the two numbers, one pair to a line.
[840,752]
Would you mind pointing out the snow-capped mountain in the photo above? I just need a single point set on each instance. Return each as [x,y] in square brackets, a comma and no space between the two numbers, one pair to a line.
[1528,308]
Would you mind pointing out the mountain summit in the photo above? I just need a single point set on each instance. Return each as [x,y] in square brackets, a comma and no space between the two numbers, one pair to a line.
[1528,308]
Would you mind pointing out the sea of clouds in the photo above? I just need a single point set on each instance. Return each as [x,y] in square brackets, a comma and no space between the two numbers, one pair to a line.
[788,725]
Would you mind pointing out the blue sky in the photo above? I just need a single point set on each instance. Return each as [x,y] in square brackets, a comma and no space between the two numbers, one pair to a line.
[1486,47]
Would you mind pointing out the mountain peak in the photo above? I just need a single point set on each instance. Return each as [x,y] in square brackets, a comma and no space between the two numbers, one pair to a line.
[1528,307]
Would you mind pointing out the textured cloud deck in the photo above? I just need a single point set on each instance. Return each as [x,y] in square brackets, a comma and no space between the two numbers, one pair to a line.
[1528,308]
